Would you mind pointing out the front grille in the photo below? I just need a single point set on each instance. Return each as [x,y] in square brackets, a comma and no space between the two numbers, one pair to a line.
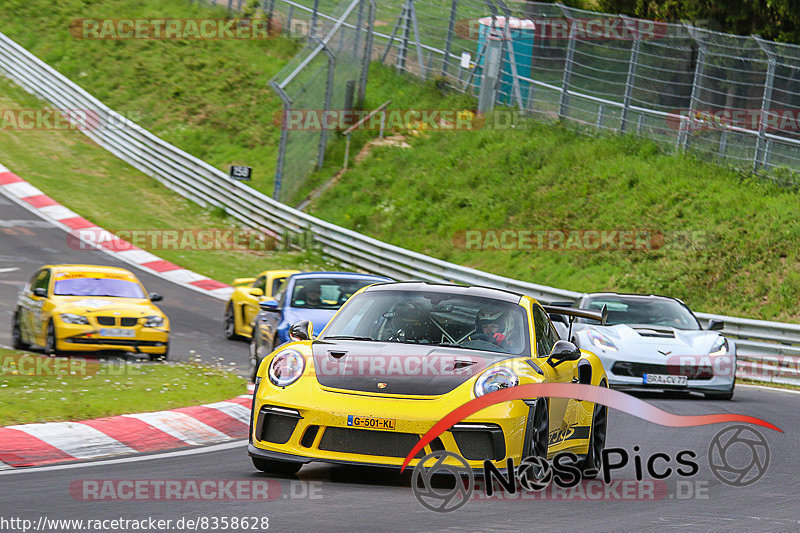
[114,342]
[276,426]
[106,320]
[478,444]
[128,321]
[637,370]
[367,442]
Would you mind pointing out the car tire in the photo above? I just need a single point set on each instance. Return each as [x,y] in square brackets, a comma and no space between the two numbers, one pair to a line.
[16,334]
[255,359]
[229,323]
[727,395]
[160,356]
[538,431]
[270,466]
[50,340]
[592,463]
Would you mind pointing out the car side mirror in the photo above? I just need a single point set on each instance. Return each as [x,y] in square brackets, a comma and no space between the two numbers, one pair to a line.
[269,306]
[256,292]
[563,351]
[155,297]
[715,324]
[40,292]
[301,331]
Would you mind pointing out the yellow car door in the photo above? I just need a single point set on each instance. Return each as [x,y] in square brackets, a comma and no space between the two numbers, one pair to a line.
[250,302]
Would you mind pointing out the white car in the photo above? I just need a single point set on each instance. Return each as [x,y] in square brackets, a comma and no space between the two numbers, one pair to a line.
[654,342]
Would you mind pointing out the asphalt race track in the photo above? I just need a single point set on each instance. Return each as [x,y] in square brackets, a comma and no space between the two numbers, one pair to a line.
[323,497]
[28,242]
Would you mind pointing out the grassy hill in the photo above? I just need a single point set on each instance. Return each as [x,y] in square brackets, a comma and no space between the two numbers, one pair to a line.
[721,241]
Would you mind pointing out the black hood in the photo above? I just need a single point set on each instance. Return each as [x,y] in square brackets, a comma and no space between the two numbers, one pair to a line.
[397,368]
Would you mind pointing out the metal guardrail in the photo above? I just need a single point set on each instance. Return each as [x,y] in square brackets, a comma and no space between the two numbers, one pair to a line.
[768,345]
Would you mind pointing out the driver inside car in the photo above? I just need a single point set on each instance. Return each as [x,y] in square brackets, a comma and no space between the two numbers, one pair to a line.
[489,327]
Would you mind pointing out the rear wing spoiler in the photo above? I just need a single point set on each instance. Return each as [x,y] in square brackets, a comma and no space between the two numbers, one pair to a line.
[575,312]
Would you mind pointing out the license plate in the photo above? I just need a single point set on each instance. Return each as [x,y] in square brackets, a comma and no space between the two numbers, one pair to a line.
[370,422]
[117,332]
[664,379]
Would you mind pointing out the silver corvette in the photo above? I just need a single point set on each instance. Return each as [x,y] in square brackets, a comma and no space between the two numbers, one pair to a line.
[654,342]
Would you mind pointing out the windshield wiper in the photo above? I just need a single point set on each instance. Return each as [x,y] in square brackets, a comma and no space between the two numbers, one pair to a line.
[350,338]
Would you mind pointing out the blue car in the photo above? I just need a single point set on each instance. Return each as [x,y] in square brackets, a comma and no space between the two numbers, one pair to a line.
[311,296]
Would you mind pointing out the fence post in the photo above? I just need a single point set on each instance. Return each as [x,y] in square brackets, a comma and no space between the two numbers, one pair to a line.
[683,132]
[631,79]
[451,27]
[367,57]
[760,155]
[287,106]
[563,105]
[405,16]
[323,135]
[312,31]
[491,72]
[359,23]
[289,21]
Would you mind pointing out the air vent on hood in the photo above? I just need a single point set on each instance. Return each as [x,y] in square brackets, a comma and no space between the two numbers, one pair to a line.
[652,332]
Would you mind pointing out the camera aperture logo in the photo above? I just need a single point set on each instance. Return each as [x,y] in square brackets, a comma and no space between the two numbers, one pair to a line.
[738,456]
[442,499]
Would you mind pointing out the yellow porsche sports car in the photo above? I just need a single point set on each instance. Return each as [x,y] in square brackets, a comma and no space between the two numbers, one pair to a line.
[242,307]
[87,308]
[398,357]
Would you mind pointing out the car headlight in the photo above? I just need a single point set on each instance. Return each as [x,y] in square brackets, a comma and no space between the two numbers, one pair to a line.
[720,347]
[494,379]
[72,318]
[153,321]
[286,368]
[600,341]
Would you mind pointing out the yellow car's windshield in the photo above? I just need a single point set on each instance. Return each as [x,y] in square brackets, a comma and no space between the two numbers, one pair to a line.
[116,288]
[434,318]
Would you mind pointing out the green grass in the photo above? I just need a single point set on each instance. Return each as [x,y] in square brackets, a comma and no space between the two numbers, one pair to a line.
[63,389]
[210,97]
[51,159]
[730,242]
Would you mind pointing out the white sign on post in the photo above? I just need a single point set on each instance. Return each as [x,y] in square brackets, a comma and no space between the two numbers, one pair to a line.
[466,59]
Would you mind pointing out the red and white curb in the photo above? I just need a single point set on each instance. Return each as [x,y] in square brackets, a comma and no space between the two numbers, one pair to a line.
[35,201]
[58,442]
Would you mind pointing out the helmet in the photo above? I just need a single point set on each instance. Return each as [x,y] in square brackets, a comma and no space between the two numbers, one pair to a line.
[489,315]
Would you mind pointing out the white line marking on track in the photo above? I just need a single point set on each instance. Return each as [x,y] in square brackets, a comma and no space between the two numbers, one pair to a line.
[75,439]
[182,426]
[766,387]
[12,269]
[166,455]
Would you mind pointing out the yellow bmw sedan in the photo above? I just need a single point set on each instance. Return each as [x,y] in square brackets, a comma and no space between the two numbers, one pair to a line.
[88,308]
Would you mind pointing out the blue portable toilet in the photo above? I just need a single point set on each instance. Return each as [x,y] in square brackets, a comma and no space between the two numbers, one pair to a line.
[522,34]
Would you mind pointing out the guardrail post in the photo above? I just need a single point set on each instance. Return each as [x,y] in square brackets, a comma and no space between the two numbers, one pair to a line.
[491,72]
[448,43]
[760,155]
[683,132]
[631,79]
[600,112]
[563,104]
